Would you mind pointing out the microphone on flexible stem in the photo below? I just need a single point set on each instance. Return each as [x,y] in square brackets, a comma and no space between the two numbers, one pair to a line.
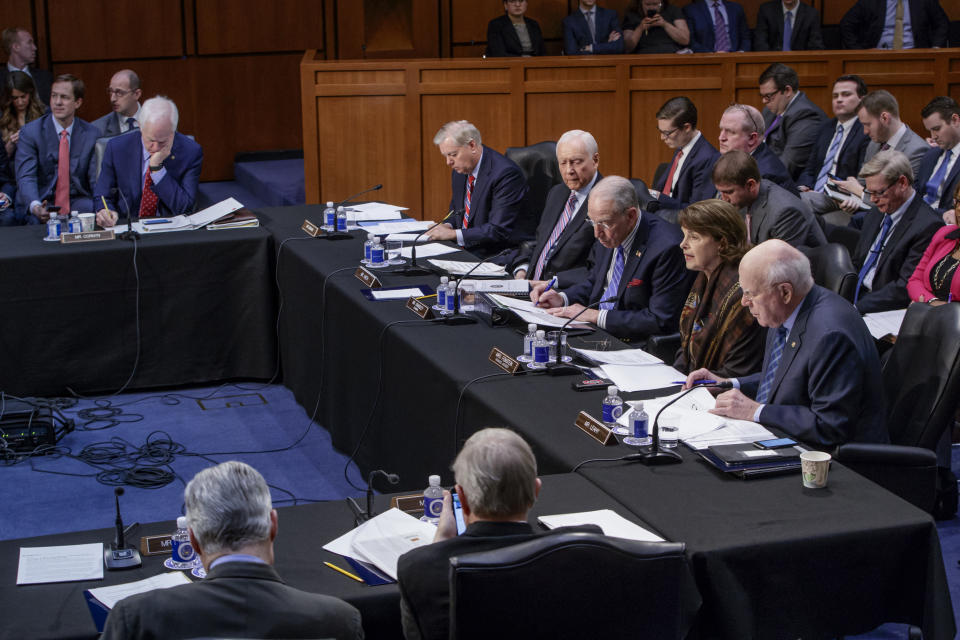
[358,194]
[118,556]
[558,368]
[412,269]
[129,234]
[343,235]
[360,514]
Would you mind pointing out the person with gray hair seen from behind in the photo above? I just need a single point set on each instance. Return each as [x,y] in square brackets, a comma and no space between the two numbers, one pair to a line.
[497,483]
[820,381]
[150,171]
[232,526]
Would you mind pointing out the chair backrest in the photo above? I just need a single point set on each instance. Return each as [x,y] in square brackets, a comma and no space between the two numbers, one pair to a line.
[832,268]
[539,165]
[847,236]
[98,151]
[644,197]
[921,378]
[570,585]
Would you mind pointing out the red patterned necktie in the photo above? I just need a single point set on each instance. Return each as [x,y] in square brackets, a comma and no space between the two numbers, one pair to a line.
[667,187]
[466,212]
[148,201]
[61,195]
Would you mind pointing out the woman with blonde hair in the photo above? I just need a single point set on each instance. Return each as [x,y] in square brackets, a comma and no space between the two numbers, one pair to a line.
[19,105]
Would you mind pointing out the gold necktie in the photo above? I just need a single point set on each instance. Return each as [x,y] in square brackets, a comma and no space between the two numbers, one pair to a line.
[898,27]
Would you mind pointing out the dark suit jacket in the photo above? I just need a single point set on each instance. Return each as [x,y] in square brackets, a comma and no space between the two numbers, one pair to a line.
[107,125]
[37,161]
[576,33]
[827,388]
[8,181]
[693,183]
[502,39]
[499,208]
[796,132]
[862,26]
[569,258]
[768,34]
[902,251]
[122,165]
[850,155]
[777,213]
[654,284]
[950,181]
[772,169]
[701,26]
[42,80]
[235,600]
[423,574]
[914,146]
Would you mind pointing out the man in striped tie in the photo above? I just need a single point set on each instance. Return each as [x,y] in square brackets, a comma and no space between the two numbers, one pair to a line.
[939,171]
[564,235]
[820,381]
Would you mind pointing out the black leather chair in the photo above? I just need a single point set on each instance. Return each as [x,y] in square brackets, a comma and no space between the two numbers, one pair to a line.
[664,346]
[646,200]
[833,269]
[539,165]
[573,585]
[921,380]
[847,236]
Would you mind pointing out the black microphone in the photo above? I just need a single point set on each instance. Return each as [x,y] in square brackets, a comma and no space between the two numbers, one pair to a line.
[357,195]
[590,306]
[655,455]
[558,368]
[129,234]
[457,317]
[392,478]
[412,269]
[118,556]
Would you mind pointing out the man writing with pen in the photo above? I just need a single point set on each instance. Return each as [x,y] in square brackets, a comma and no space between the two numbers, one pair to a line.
[639,279]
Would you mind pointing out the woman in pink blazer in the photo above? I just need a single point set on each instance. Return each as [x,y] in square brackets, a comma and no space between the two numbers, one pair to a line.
[937,278]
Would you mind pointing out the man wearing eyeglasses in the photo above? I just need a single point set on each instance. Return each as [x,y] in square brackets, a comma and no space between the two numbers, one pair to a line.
[790,120]
[894,235]
[639,277]
[124,92]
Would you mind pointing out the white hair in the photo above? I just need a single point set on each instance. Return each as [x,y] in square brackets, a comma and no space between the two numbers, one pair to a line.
[228,507]
[617,190]
[585,138]
[498,473]
[460,131]
[159,108]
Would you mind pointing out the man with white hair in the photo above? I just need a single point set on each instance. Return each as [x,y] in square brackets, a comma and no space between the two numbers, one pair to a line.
[232,526]
[150,171]
[820,381]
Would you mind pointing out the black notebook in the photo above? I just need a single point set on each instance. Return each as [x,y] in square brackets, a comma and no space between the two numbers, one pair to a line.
[745,453]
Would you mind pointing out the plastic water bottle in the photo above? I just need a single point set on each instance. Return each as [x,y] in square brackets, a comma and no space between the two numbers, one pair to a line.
[183,555]
[433,501]
[53,227]
[451,300]
[639,428]
[376,253]
[74,224]
[341,220]
[442,294]
[329,217]
[366,248]
[541,351]
[612,407]
[527,355]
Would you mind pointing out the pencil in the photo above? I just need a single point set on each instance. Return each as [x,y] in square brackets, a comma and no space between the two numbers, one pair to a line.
[343,571]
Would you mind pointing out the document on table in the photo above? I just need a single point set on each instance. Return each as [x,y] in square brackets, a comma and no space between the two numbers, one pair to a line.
[884,322]
[373,211]
[381,541]
[396,294]
[396,226]
[460,268]
[427,250]
[612,523]
[630,377]
[60,564]
[110,596]
[499,286]
[197,220]
[409,237]
[634,357]
[532,313]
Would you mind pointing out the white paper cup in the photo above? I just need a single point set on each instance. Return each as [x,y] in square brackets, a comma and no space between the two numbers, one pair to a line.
[87,221]
[814,466]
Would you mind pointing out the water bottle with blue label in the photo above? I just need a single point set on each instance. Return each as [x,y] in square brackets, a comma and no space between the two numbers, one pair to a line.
[182,554]
[341,220]
[639,427]
[376,253]
[74,224]
[442,294]
[433,501]
[612,407]
[528,340]
[541,351]
[329,217]
[366,248]
[53,228]
[451,300]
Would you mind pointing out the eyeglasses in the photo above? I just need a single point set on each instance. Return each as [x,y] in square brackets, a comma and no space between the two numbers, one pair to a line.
[767,97]
[667,134]
[873,195]
[118,92]
[753,295]
[606,225]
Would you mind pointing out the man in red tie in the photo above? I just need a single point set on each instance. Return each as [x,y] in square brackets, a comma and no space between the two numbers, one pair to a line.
[150,171]
[55,160]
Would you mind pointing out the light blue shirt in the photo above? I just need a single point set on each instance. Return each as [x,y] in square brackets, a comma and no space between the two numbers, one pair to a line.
[237,557]
[895,217]
[157,175]
[889,26]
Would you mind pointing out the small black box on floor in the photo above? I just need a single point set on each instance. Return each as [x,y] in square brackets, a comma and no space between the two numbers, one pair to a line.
[25,426]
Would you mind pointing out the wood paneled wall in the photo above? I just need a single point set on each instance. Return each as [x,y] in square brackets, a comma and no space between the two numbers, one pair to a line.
[368,122]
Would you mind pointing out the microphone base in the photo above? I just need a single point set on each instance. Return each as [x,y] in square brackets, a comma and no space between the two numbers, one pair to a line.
[116,559]
[562,369]
[412,270]
[129,235]
[457,319]
[335,235]
[658,457]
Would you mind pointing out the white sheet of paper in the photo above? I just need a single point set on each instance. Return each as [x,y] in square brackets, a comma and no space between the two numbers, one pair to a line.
[532,313]
[214,212]
[612,523]
[395,294]
[110,596]
[499,286]
[883,322]
[370,211]
[408,237]
[630,378]
[460,268]
[399,226]
[376,207]
[732,432]
[427,250]
[622,356]
[381,541]
[60,564]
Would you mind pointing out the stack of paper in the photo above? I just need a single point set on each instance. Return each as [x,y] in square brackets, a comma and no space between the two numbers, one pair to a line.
[67,563]
[635,357]
[611,522]
[110,596]
[460,268]
[884,323]
[531,312]
[629,377]
[507,287]
[197,220]
[373,211]
[395,226]
[427,250]
[381,541]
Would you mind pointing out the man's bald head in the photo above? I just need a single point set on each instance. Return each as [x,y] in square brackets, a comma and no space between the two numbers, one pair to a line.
[775,278]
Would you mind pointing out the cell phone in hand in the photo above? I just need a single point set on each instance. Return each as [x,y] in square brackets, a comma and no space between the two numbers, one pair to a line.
[458,513]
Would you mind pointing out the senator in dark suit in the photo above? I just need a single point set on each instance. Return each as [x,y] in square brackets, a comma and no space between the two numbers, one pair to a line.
[637,260]
[824,387]
[578,40]
[699,14]
[894,234]
[862,27]
[172,160]
[498,215]
[232,527]
[805,30]
[503,39]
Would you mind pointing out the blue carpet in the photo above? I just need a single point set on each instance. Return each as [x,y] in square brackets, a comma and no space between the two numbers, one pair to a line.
[40,499]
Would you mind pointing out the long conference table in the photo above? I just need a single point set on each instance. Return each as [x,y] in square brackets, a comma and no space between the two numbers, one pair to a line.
[771,559]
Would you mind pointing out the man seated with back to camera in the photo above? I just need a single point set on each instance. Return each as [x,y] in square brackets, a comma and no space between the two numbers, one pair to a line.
[821,373]
[496,476]
[637,263]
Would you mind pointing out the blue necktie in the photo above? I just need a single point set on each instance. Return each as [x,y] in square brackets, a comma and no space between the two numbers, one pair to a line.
[131,124]
[828,161]
[873,255]
[931,193]
[611,290]
[775,354]
[787,30]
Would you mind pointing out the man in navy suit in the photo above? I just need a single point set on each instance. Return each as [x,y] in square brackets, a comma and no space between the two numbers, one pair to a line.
[42,175]
[21,53]
[488,188]
[564,235]
[777,18]
[872,24]
[741,127]
[124,93]
[592,30]
[820,381]
[688,178]
[717,26]
[939,170]
[790,120]
[154,169]
[637,262]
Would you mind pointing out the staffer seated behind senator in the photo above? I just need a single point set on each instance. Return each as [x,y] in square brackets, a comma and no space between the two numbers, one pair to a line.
[513,33]
[489,194]
[638,268]
[654,26]
[741,127]
[232,527]
[936,279]
[19,105]
[717,332]
[124,92]
[496,476]
[790,119]
[154,169]
[820,381]
[590,29]
[55,158]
